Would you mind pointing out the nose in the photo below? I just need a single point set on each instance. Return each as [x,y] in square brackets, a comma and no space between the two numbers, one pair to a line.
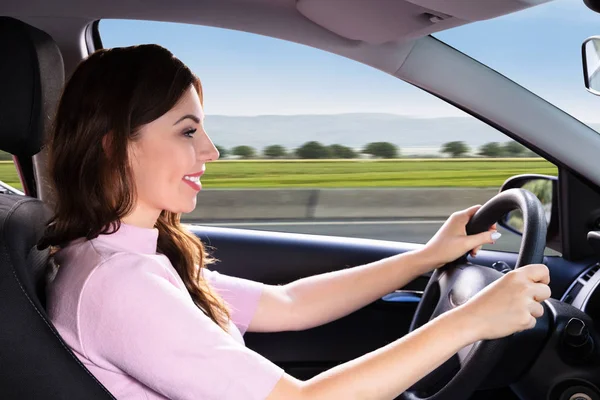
[207,151]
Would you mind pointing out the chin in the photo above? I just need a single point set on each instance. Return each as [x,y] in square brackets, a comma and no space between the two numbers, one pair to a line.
[182,209]
[188,208]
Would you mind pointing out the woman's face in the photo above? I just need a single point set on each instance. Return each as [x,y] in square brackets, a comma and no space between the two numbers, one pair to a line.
[168,158]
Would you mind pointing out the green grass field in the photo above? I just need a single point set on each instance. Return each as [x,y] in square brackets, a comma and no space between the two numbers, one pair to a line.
[8,174]
[357,173]
[367,173]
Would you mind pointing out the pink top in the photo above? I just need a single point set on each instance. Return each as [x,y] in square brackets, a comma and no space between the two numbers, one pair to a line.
[125,312]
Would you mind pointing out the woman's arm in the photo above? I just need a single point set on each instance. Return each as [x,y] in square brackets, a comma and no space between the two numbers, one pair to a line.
[388,371]
[319,299]
[323,298]
[509,305]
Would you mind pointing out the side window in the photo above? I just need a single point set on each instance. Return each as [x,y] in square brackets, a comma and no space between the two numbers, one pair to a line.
[9,177]
[314,143]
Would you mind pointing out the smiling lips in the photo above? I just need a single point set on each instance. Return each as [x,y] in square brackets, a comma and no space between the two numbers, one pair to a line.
[193,180]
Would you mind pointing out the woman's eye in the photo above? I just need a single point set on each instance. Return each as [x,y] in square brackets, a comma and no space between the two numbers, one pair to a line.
[189,133]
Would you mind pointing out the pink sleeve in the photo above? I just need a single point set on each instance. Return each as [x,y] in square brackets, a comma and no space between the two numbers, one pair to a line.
[132,318]
[242,296]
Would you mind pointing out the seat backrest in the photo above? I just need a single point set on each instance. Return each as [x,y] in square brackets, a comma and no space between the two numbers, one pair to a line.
[35,363]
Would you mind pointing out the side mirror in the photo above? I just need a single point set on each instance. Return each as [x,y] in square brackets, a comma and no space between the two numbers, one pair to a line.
[546,189]
[5,188]
[591,64]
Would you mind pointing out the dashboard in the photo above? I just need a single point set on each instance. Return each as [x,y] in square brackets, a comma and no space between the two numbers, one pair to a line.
[584,292]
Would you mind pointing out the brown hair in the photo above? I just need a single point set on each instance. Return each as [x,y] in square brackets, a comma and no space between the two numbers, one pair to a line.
[109,97]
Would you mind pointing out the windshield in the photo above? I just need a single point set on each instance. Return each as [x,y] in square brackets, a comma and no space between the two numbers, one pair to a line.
[540,49]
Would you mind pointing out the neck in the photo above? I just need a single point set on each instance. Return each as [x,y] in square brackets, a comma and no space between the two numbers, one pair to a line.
[142,217]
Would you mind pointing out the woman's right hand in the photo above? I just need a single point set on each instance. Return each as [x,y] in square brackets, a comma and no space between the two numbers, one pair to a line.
[511,304]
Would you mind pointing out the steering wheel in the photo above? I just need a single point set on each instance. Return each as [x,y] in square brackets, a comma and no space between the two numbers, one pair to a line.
[455,283]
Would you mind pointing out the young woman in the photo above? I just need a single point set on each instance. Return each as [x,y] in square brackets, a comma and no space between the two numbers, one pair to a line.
[132,296]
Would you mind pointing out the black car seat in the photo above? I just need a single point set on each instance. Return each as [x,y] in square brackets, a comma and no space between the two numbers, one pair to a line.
[35,363]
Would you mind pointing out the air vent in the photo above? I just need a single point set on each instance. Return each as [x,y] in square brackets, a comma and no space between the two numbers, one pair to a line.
[572,293]
[574,290]
[588,275]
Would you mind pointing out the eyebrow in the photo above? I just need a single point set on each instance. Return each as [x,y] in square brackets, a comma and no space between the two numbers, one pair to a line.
[190,116]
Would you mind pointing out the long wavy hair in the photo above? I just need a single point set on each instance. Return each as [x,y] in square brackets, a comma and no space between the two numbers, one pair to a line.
[109,97]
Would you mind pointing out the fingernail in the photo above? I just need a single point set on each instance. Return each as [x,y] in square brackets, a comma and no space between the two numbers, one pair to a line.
[496,236]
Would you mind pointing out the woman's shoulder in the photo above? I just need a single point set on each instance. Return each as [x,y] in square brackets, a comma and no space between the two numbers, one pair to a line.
[87,260]
[91,254]
[129,265]
[86,273]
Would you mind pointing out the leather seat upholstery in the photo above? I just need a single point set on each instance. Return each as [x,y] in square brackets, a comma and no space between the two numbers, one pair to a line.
[35,363]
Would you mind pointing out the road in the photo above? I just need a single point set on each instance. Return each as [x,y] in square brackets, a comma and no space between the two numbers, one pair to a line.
[416,231]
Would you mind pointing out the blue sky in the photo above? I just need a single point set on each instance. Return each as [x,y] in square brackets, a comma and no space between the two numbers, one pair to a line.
[246,74]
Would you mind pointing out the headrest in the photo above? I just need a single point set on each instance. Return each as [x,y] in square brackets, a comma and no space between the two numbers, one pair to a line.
[22,224]
[31,80]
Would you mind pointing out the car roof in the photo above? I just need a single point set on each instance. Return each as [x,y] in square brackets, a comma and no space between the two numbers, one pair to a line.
[319,23]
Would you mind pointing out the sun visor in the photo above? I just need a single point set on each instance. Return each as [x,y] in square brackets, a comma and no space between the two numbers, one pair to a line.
[380,21]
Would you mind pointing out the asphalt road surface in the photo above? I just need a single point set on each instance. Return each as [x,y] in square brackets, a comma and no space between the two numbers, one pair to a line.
[415,231]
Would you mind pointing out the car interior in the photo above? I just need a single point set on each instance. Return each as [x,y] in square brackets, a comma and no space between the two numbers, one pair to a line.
[42,42]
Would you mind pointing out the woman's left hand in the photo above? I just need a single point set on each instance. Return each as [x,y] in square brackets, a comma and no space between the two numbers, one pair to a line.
[451,240]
